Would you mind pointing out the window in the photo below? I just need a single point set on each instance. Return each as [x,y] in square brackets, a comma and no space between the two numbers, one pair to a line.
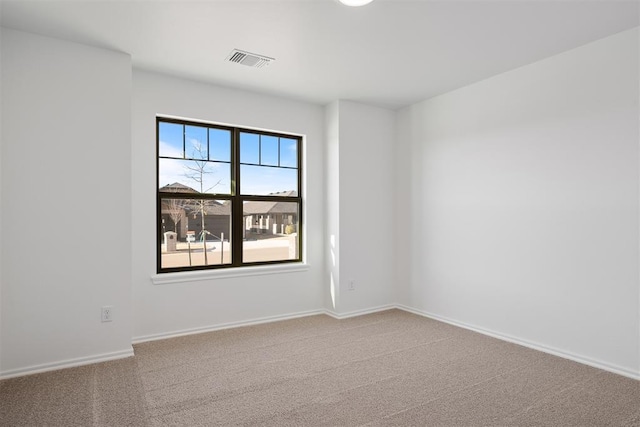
[227,197]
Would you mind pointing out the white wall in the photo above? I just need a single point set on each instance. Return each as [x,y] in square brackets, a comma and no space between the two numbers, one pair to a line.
[360,170]
[171,308]
[510,205]
[1,195]
[66,202]
[521,204]
[332,207]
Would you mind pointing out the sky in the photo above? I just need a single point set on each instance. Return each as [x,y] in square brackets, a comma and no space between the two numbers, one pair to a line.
[257,154]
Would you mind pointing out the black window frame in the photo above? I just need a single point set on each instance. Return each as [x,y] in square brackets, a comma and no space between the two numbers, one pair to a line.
[235,198]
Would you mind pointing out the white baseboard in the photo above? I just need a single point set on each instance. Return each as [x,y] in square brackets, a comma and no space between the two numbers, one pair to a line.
[129,352]
[221,326]
[535,346]
[359,312]
[69,363]
[269,319]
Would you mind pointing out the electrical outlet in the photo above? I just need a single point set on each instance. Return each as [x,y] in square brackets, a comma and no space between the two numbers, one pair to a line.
[352,285]
[107,313]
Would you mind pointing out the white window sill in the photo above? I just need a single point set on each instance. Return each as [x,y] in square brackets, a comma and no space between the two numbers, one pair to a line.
[225,273]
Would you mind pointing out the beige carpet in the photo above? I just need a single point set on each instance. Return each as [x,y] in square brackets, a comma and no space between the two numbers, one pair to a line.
[388,368]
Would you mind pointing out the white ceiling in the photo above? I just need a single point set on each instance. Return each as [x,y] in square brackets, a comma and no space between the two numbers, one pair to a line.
[389,53]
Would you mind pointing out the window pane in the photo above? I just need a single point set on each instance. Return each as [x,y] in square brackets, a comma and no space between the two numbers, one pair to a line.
[195,232]
[195,142]
[269,150]
[263,180]
[220,145]
[249,148]
[288,152]
[170,140]
[189,176]
[270,231]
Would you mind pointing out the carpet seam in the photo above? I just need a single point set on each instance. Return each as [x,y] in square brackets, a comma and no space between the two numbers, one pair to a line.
[455,392]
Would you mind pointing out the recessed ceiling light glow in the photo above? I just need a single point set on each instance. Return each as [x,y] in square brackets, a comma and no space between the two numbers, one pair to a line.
[355,2]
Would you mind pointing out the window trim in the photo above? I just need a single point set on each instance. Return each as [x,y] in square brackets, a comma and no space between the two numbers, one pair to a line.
[228,273]
[236,200]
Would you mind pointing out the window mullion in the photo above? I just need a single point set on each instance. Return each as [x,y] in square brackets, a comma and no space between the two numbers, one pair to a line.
[184,144]
[236,202]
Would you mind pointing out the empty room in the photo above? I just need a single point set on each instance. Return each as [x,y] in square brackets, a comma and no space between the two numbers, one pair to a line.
[320,213]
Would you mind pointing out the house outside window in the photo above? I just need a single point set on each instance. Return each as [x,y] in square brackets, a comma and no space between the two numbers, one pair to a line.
[227,196]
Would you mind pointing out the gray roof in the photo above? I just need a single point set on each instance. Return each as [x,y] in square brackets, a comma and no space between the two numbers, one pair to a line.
[176,187]
[262,208]
[216,208]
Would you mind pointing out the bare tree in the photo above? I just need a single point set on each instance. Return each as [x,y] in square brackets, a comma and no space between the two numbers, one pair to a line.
[176,210]
[197,172]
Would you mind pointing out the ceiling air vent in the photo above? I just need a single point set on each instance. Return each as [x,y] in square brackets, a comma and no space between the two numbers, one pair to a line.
[249,59]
